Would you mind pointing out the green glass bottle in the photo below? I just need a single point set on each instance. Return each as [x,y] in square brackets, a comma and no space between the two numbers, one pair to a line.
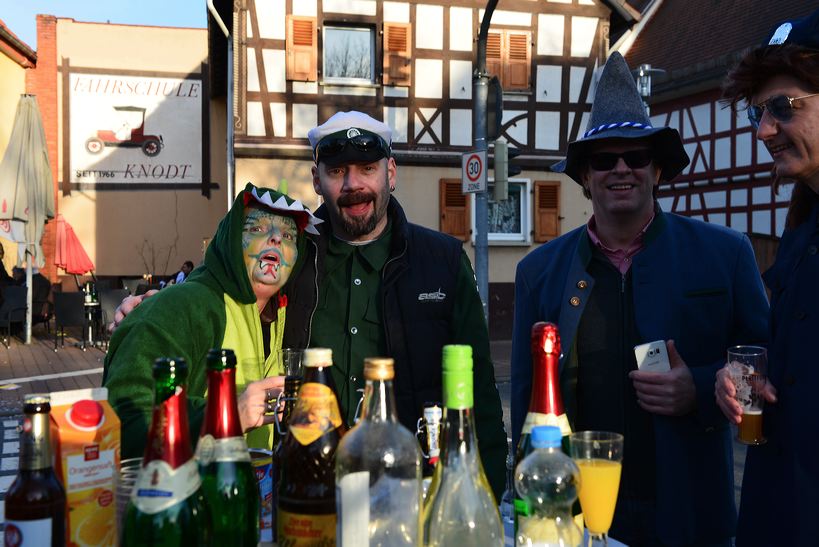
[460,508]
[228,480]
[167,506]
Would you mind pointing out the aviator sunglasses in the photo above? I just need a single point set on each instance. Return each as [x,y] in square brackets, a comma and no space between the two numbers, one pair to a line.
[363,141]
[635,159]
[779,106]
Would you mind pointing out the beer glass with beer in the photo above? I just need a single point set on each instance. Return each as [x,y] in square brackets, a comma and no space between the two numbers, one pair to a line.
[747,367]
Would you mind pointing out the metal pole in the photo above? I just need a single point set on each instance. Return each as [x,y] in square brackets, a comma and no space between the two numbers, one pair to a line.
[29,289]
[231,160]
[480,91]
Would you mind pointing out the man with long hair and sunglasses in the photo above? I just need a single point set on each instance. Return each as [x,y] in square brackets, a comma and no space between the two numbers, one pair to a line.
[633,275]
[377,284]
[779,83]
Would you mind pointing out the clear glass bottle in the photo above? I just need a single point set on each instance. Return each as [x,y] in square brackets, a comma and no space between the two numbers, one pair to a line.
[378,470]
[228,480]
[167,506]
[507,503]
[35,502]
[461,509]
[548,481]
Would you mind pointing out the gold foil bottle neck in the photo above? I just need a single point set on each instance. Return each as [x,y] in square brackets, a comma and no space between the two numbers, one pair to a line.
[379,368]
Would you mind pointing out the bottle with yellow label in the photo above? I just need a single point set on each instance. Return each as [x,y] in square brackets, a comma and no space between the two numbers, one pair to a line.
[307,485]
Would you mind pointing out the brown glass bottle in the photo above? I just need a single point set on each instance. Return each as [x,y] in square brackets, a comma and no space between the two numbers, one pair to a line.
[306,495]
[289,396]
[35,503]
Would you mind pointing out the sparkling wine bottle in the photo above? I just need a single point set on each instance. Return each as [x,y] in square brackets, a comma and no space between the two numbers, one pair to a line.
[167,506]
[228,480]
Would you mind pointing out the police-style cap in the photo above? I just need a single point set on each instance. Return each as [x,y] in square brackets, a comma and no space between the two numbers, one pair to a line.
[803,32]
[350,137]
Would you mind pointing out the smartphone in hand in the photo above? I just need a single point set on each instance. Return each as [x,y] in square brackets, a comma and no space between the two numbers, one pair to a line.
[652,357]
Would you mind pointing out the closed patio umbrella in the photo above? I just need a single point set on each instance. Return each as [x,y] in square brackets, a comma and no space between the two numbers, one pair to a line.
[70,254]
[26,189]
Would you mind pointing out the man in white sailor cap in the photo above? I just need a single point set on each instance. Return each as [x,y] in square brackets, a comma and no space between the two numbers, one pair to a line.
[375,284]
[381,285]
[636,274]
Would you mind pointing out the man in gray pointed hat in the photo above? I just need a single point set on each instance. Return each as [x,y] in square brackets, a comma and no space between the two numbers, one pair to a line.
[635,274]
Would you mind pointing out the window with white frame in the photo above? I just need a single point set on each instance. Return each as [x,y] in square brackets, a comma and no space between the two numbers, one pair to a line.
[508,221]
[348,54]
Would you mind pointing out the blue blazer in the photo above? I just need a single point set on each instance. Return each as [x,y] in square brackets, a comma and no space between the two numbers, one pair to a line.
[780,489]
[693,282]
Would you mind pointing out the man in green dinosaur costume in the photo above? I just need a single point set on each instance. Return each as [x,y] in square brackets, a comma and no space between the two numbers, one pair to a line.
[236,299]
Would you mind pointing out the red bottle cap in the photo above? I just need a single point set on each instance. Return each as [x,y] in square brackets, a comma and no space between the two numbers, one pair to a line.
[86,413]
[545,338]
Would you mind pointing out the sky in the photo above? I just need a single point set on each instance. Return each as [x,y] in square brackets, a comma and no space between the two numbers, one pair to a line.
[20,15]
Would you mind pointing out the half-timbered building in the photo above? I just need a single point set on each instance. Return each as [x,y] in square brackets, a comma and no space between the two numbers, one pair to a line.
[410,63]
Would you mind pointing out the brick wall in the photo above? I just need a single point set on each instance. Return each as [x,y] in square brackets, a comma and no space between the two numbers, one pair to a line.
[42,81]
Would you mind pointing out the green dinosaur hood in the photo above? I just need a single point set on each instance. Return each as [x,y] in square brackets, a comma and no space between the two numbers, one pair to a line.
[224,265]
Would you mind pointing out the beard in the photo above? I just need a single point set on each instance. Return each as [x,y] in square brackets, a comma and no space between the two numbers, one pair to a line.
[362,226]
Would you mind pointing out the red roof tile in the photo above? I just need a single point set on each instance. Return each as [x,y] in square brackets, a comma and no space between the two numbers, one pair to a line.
[684,33]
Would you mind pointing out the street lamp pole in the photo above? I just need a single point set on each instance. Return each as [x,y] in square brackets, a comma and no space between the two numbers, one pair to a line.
[480,92]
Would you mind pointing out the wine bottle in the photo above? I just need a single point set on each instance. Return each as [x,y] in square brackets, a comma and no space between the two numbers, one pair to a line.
[378,470]
[546,402]
[461,509]
[306,502]
[167,506]
[228,480]
[35,502]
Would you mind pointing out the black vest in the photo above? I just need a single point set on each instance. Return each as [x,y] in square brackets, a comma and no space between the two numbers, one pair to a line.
[417,294]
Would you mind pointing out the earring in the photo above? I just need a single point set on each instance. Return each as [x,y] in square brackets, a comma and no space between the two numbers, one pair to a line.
[392,188]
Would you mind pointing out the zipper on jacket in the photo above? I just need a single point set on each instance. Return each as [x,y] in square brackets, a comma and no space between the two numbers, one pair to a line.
[383,292]
[316,288]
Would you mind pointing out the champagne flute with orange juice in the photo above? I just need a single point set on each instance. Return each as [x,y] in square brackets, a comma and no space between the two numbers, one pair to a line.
[599,455]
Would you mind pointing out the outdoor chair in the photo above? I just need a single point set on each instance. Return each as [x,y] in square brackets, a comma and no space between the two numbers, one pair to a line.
[109,301]
[130,283]
[12,311]
[68,312]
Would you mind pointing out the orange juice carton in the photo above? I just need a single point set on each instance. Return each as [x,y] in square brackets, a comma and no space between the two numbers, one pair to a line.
[87,461]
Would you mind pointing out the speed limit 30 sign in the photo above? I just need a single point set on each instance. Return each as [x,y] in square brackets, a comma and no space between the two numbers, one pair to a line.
[473,172]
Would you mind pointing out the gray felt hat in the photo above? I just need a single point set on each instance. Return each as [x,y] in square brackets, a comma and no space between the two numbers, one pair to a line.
[618,113]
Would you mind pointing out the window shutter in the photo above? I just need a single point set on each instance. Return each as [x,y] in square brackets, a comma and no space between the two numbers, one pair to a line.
[301,47]
[494,55]
[547,210]
[397,63]
[519,61]
[454,207]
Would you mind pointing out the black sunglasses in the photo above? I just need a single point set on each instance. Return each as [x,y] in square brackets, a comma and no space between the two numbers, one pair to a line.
[779,106]
[362,140]
[635,159]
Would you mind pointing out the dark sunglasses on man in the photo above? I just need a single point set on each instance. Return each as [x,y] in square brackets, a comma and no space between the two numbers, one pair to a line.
[635,159]
[778,106]
[366,142]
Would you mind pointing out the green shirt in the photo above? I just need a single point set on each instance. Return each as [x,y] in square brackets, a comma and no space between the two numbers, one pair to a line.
[348,315]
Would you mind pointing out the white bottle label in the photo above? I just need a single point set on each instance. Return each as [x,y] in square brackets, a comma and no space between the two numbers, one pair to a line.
[27,533]
[159,486]
[353,508]
[228,449]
